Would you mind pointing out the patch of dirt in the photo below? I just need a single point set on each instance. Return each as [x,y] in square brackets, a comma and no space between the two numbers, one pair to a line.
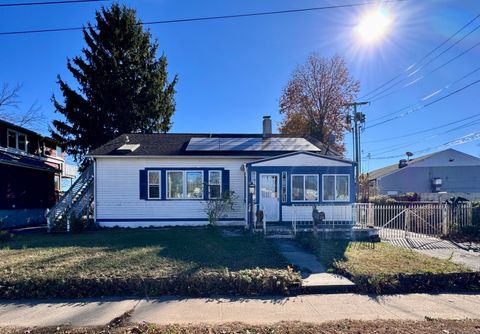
[339,327]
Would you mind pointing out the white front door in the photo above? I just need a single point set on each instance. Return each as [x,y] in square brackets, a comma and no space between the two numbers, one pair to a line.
[269,197]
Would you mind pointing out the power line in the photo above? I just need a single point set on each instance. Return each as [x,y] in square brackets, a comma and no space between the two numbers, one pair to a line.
[405,145]
[430,95]
[379,95]
[45,3]
[422,59]
[421,131]
[424,106]
[458,141]
[210,18]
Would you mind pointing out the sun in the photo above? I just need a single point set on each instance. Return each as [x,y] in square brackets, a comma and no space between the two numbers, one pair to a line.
[374,26]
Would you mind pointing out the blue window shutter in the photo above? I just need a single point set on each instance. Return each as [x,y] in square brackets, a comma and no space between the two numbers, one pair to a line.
[143,184]
[225,180]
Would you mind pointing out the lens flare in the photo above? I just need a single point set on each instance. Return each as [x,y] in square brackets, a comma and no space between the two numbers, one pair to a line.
[374,26]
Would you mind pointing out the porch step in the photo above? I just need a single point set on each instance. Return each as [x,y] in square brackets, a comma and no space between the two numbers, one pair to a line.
[279,232]
[280,236]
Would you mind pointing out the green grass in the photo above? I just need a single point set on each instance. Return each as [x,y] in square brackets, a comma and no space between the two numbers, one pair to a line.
[364,258]
[132,254]
[384,268]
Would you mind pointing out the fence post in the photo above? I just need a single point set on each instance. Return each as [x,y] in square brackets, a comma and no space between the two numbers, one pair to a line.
[370,215]
[407,220]
[445,219]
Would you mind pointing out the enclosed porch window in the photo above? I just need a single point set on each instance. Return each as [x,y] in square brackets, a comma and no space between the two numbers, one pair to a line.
[304,188]
[336,187]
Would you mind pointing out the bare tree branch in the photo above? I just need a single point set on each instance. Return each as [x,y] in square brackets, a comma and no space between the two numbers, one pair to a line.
[9,105]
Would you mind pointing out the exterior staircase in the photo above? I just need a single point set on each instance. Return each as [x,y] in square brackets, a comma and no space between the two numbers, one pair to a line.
[75,202]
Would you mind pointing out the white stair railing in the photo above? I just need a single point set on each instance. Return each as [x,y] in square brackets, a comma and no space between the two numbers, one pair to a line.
[74,200]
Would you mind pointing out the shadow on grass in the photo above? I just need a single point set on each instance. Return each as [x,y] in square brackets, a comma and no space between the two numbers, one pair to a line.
[330,251]
[199,247]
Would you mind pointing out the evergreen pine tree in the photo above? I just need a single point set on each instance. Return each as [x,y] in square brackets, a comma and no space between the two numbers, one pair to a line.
[122,86]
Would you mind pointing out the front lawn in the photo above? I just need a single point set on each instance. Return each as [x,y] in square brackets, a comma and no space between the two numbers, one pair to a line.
[117,262]
[384,268]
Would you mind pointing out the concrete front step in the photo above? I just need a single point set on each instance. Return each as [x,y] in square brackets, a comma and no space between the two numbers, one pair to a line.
[326,283]
[280,236]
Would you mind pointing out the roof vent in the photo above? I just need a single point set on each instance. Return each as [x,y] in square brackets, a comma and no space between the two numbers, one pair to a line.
[267,127]
[402,163]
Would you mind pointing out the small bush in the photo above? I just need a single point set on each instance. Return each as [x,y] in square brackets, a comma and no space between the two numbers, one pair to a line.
[382,199]
[204,283]
[218,208]
[415,283]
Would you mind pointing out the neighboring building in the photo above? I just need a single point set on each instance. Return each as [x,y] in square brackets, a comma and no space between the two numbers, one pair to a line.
[31,170]
[165,179]
[446,173]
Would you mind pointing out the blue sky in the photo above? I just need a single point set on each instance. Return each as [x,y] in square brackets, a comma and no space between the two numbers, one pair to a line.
[232,71]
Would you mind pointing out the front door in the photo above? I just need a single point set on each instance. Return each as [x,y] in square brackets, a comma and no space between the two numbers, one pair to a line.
[269,197]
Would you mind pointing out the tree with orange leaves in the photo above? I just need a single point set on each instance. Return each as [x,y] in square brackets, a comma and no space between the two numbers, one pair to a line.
[313,102]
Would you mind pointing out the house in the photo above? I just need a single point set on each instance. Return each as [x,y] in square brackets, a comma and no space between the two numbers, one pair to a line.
[31,170]
[165,179]
[446,173]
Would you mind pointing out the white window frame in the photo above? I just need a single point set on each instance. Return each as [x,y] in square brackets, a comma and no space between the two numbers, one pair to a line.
[284,187]
[304,200]
[159,184]
[335,188]
[17,134]
[184,180]
[220,184]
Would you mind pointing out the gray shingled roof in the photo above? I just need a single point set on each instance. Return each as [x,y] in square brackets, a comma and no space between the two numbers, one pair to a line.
[175,144]
[378,173]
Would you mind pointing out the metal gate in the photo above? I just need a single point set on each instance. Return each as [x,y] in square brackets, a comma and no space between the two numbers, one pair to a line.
[418,220]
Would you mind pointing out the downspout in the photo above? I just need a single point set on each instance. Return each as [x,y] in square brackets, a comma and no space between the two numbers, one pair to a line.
[247,196]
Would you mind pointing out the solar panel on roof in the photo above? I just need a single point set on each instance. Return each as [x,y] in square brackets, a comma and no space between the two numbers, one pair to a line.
[250,144]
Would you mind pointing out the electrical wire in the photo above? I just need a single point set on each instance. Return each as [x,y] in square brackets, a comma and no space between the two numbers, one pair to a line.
[415,109]
[210,18]
[45,3]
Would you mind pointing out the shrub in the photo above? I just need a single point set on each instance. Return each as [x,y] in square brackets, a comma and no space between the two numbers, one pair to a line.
[382,199]
[218,208]
[204,283]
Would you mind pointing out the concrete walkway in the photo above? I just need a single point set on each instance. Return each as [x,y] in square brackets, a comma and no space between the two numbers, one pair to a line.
[306,308]
[314,274]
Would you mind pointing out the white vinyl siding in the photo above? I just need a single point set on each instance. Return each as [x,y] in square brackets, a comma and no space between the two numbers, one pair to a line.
[121,200]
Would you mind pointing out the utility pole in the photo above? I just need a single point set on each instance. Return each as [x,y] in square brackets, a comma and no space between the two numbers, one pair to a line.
[358,119]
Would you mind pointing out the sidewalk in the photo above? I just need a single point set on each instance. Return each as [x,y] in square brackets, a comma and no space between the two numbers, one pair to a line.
[306,308]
